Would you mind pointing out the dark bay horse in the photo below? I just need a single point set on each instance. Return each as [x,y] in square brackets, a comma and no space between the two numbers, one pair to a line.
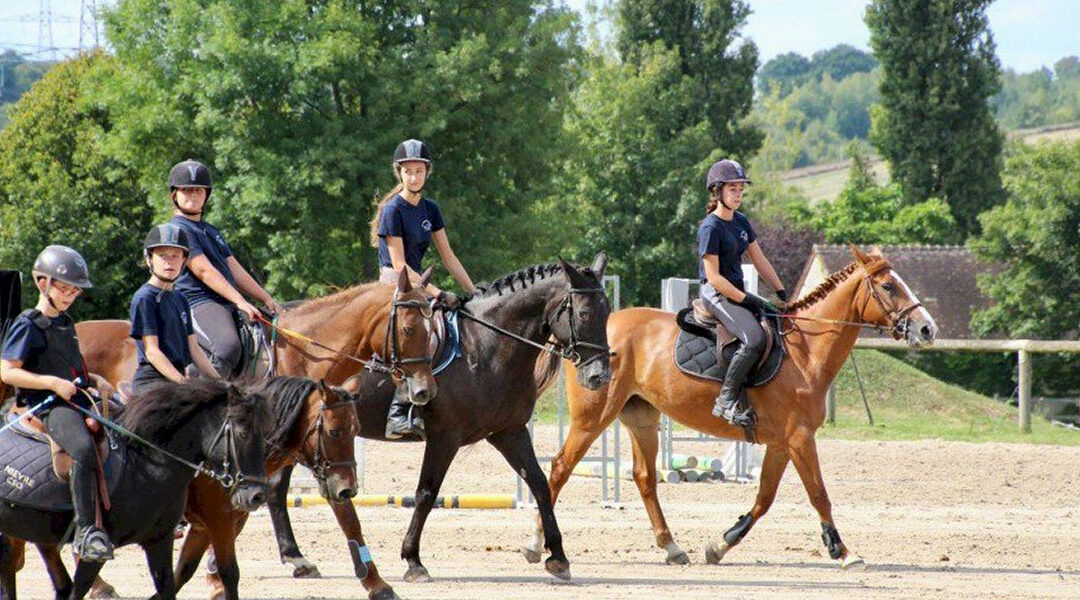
[348,328]
[790,408]
[490,392]
[201,422]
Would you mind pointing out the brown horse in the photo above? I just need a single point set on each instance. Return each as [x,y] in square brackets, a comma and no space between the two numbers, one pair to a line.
[329,338]
[790,408]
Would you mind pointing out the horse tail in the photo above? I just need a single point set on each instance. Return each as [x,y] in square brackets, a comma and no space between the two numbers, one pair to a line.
[545,371]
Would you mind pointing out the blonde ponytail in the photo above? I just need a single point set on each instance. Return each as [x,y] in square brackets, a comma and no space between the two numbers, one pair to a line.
[378,213]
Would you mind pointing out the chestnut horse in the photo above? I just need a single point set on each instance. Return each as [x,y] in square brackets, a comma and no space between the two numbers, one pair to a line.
[645,382]
[328,339]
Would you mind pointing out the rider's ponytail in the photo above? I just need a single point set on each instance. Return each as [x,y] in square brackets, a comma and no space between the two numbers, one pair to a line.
[714,198]
[378,214]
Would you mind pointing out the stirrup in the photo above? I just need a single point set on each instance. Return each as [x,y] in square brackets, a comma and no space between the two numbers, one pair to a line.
[93,545]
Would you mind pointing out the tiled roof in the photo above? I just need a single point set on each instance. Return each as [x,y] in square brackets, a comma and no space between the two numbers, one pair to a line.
[942,276]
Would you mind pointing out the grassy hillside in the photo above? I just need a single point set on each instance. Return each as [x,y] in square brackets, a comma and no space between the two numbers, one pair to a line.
[907,404]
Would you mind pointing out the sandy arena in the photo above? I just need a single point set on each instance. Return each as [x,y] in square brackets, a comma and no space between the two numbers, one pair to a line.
[932,519]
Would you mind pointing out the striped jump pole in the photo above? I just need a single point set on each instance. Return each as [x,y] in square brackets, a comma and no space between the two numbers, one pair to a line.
[455,501]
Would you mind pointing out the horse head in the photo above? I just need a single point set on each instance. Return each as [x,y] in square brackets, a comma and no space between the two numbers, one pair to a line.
[330,442]
[888,302]
[408,338]
[238,447]
[579,323]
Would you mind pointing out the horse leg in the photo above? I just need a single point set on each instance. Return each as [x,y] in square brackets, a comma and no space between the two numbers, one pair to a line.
[516,447]
[363,565]
[85,574]
[159,559]
[288,549]
[225,583]
[772,471]
[804,455]
[641,420]
[9,564]
[195,543]
[438,454]
[58,573]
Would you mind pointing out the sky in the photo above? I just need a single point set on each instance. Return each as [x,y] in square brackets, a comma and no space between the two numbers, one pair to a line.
[1029,33]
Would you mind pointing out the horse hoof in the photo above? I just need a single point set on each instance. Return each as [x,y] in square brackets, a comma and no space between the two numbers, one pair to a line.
[418,574]
[308,571]
[100,589]
[853,562]
[220,595]
[677,558]
[558,568]
[714,553]
[387,593]
[530,555]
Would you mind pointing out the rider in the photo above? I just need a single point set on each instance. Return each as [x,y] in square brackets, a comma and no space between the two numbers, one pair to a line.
[214,279]
[723,237]
[41,357]
[161,317]
[404,224]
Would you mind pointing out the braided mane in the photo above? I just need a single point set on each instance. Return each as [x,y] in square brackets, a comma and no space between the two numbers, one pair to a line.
[823,289]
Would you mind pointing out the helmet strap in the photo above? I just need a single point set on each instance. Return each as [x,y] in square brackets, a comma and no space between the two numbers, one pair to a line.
[48,296]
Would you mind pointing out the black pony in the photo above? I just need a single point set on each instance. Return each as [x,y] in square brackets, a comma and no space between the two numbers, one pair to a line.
[487,394]
[202,422]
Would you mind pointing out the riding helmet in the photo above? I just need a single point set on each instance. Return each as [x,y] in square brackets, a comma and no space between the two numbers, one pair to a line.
[63,264]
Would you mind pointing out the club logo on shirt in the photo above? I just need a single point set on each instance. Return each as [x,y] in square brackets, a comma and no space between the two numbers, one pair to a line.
[426,224]
[743,235]
[184,317]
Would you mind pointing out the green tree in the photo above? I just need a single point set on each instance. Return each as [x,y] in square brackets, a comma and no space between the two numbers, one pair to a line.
[783,73]
[842,60]
[297,107]
[934,123]
[58,187]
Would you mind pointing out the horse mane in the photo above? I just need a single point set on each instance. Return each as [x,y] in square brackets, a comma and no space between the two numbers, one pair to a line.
[158,412]
[287,396]
[522,279]
[342,296]
[823,289]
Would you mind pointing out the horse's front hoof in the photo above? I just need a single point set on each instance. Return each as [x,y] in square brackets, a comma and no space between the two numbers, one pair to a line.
[677,558]
[530,555]
[100,589]
[418,574]
[715,553]
[853,562]
[558,568]
[387,593]
[308,571]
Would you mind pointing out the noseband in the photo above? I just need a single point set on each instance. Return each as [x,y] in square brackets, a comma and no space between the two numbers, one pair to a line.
[395,361]
[570,351]
[899,318]
[320,465]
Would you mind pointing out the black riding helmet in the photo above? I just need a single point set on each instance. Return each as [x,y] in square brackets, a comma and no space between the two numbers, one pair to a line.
[725,171]
[166,235]
[62,264]
[190,173]
[409,150]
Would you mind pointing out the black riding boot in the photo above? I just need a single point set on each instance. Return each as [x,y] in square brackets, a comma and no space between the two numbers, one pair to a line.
[403,418]
[90,543]
[732,404]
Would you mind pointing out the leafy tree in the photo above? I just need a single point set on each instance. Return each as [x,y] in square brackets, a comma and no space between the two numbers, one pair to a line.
[934,124]
[783,73]
[58,187]
[842,60]
[297,107]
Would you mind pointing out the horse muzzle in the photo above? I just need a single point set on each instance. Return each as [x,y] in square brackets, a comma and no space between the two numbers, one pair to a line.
[595,375]
[920,332]
[420,390]
[248,496]
[338,489]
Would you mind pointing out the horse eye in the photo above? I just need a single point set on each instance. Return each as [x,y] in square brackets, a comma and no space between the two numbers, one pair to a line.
[888,286]
[407,330]
[334,433]
[585,316]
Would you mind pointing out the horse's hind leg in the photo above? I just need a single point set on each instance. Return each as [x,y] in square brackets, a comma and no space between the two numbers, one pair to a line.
[195,543]
[288,549]
[54,566]
[438,454]
[641,420]
[363,565]
[516,447]
[9,564]
[772,470]
[804,455]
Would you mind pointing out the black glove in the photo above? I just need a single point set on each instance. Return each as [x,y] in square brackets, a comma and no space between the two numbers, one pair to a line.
[782,295]
[448,300]
[759,306]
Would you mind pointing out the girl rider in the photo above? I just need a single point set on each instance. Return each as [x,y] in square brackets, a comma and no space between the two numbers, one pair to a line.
[41,357]
[161,317]
[214,279]
[404,224]
[723,237]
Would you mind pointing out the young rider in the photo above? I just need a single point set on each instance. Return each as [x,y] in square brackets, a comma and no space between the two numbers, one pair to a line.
[214,279]
[404,225]
[41,357]
[723,237]
[161,316]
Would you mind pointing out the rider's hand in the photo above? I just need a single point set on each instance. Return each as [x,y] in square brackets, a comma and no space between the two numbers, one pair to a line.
[249,310]
[759,306]
[63,388]
[782,295]
[448,300]
[272,306]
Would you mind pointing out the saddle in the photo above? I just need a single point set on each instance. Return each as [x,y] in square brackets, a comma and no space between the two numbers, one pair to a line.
[695,346]
[33,427]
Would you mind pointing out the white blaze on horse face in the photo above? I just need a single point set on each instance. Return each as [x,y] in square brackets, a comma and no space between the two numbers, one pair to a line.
[922,309]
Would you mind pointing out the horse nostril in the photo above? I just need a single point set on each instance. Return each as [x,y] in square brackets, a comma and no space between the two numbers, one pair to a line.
[345,494]
[259,498]
[926,332]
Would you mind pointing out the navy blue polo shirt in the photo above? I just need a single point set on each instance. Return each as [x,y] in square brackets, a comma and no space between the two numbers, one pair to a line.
[169,320]
[204,240]
[727,240]
[413,224]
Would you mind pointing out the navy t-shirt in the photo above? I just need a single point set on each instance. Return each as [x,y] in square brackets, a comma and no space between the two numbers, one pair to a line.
[204,240]
[413,224]
[169,320]
[727,240]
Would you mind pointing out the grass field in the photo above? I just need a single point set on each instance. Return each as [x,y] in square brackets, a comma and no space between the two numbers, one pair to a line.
[907,404]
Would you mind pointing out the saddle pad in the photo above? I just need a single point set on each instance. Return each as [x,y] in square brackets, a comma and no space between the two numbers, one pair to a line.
[28,479]
[695,355]
[449,346]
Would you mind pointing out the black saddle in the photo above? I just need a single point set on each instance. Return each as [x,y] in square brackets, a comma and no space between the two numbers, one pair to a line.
[695,347]
[28,478]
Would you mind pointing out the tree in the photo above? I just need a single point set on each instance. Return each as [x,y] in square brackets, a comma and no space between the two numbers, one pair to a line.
[58,187]
[934,124]
[783,73]
[297,107]
[842,60]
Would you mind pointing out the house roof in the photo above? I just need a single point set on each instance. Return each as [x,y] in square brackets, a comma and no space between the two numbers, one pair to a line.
[943,277]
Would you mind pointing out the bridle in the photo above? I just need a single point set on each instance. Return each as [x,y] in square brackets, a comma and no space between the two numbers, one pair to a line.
[320,465]
[899,318]
[227,478]
[395,362]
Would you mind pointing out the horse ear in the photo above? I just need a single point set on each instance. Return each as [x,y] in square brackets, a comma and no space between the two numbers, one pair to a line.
[352,384]
[598,265]
[403,284]
[572,275]
[859,255]
[426,277]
